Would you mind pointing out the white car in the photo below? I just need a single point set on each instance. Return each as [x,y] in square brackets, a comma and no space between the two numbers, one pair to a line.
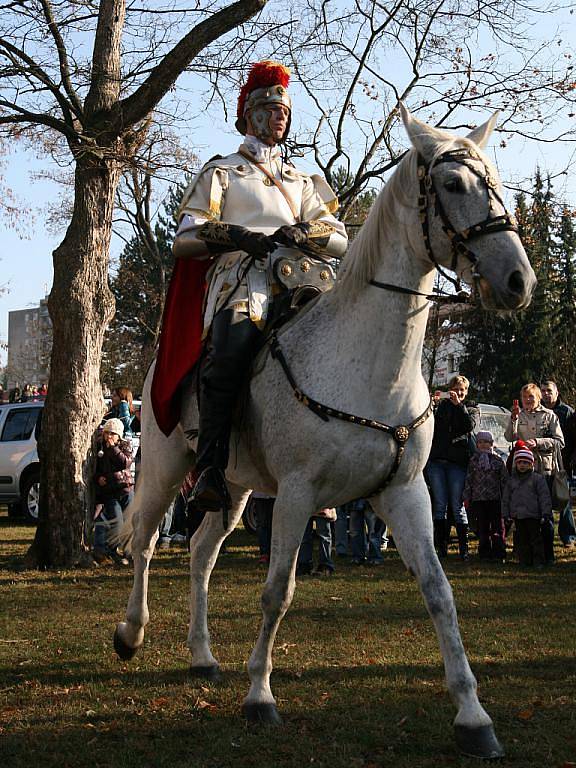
[495,419]
[19,466]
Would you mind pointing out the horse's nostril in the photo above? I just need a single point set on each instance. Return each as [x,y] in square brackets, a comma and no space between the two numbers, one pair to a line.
[516,283]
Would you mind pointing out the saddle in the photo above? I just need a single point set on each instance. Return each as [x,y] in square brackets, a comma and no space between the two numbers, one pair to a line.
[287,306]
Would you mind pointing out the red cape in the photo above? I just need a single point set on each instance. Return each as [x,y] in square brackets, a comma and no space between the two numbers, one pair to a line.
[180,339]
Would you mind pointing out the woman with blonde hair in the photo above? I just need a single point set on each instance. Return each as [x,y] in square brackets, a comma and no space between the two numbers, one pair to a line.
[538,427]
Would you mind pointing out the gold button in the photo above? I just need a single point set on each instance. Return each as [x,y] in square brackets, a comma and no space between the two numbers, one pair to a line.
[305,266]
[286,270]
[324,275]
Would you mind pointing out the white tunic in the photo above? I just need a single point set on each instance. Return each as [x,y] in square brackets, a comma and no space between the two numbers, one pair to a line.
[235,191]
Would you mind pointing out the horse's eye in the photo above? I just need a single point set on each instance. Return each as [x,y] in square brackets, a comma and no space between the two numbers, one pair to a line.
[454,185]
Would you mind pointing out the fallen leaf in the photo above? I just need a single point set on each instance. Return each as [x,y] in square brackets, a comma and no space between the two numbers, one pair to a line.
[201,704]
[401,722]
[525,714]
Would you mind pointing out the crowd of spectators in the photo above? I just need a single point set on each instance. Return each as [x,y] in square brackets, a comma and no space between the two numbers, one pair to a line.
[508,504]
[25,394]
[465,475]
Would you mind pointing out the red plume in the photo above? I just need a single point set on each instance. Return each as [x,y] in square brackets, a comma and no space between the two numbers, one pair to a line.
[263,73]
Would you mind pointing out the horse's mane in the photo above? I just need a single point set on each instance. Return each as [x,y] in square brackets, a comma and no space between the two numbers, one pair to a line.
[359,265]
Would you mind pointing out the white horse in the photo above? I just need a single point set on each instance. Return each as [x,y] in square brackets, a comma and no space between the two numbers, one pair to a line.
[357,350]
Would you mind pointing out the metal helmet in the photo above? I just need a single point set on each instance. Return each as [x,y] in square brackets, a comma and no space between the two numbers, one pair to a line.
[266,86]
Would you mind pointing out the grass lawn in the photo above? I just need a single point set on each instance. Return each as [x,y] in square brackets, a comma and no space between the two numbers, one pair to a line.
[358,675]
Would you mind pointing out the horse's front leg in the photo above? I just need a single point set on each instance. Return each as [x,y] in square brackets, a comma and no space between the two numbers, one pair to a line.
[407,510]
[291,513]
[204,548]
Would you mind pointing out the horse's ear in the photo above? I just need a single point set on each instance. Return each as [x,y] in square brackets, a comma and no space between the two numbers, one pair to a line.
[424,138]
[481,134]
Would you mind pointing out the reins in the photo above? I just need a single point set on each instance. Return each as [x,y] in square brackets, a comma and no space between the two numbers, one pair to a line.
[427,198]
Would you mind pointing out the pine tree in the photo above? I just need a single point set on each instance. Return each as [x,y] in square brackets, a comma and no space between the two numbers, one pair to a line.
[505,352]
[564,318]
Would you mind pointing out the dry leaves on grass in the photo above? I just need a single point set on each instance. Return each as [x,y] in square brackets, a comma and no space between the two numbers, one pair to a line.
[203,704]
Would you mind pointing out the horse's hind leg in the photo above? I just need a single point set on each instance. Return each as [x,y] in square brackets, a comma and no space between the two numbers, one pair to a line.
[204,549]
[165,462]
[407,510]
[291,513]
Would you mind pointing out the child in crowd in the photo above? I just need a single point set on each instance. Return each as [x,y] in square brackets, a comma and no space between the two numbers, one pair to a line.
[527,501]
[483,487]
[113,480]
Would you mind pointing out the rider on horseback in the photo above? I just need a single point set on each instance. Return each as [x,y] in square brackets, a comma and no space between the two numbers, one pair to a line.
[247,213]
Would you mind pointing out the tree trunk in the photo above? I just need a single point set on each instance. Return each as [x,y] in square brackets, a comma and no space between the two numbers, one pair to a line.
[80,305]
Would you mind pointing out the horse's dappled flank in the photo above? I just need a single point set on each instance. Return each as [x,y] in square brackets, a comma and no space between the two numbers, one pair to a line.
[359,265]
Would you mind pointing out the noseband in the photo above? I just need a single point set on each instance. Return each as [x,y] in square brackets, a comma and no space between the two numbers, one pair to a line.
[429,198]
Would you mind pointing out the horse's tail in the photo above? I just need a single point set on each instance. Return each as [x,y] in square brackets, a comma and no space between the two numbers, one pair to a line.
[124,537]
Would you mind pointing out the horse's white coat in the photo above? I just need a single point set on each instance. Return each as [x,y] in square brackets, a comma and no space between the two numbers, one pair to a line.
[358,349]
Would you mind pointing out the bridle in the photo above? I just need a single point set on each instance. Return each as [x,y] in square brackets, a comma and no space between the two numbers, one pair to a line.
[429,199]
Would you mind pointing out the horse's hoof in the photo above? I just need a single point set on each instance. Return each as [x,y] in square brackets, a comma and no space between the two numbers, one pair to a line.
[261,714]
[210,673]
[124,651]
[478,742]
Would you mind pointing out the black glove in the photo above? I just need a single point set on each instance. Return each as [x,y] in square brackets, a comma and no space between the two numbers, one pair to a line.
[292,235]
[221,237]
[255,243]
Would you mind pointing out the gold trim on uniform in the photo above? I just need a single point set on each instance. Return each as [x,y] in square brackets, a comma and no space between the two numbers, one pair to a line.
[319,230]
[216,232]
[199,213]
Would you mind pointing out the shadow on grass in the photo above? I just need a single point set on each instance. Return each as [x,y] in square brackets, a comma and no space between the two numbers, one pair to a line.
[73,673]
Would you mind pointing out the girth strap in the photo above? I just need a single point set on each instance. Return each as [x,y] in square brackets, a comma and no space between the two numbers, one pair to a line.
[400,434]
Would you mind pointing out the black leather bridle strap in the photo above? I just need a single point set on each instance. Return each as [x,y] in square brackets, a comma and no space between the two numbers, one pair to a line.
[428,197]
[400,433]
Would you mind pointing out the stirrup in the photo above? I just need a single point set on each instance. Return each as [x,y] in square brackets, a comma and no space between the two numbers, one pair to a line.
[210,493]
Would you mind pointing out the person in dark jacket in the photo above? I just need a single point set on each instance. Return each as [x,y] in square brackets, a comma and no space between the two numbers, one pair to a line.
[113,480]
[485,480]
[552,400]
[448,463]
[526,500]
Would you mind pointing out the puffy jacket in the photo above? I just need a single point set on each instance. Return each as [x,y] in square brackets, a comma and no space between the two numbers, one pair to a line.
[114,466]
[543,426]
[453,425]
[485,484]
[526,495]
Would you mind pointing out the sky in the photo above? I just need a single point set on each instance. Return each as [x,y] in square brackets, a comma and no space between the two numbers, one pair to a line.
[25,255]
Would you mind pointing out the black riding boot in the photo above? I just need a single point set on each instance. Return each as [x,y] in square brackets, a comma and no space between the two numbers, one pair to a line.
[233,344]
[462,531]
[441,538]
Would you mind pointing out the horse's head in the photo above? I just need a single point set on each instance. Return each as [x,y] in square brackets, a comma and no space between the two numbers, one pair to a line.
[465,225]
